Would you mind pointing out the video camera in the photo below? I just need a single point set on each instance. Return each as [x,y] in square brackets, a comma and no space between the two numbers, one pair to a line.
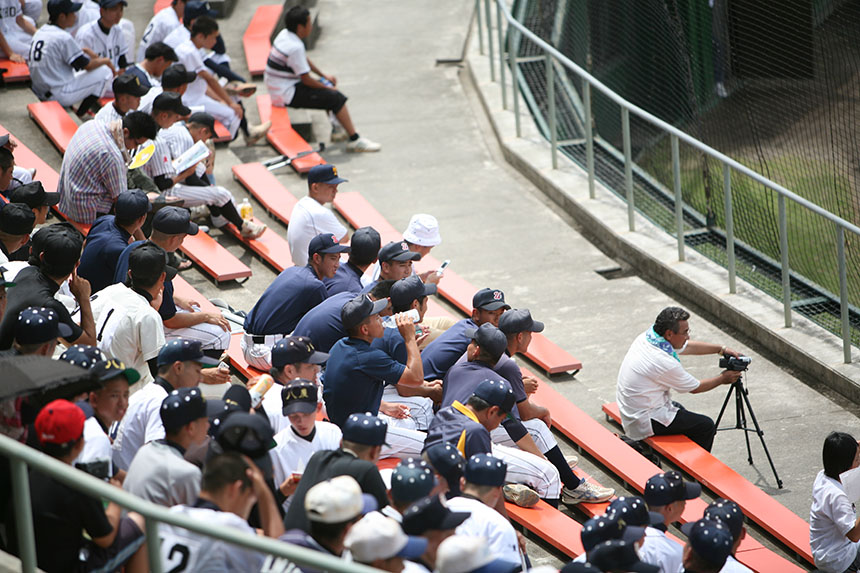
[736,363]
[97,468]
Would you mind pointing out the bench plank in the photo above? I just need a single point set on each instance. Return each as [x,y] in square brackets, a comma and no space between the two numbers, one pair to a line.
[726,482]
[184,289]
[222,134]
[57,124]
[15,72]
[213,258]
[284,138]
[256,39]
[270,246]
[266,189]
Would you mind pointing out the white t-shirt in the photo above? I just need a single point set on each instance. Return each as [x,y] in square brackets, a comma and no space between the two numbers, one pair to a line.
[183,550]
[291,454]
[189,56]
[832,516]
[486,522]
[657,549]
[732,566]
[97,444]
[140,425]
[285,66]
[127,327]
[308,220]
[645,381]
[50,59]
[110,45]
[164,22]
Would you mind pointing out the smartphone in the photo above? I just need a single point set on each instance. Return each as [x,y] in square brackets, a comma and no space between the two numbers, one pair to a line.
[442,267]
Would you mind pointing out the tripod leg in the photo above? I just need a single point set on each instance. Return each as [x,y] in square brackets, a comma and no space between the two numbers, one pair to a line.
[723,409]
[742,421]
[760,433]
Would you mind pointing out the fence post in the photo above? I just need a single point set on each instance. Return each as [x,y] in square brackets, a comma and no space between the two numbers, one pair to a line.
[786,269]
[515,72]
[23,515]
[589,136]
[550,94]
[501,55]
[153,545]
[679,199]
[843,294]
[480,26]
[628,168]
[489,21]
[730,227]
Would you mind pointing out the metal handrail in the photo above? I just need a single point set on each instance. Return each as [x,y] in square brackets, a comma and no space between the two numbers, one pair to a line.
[22,456]
[729,164]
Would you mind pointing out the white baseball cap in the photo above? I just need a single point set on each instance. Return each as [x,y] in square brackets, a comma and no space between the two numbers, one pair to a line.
[462,554]
[423,230]
[337,500]
[378,537]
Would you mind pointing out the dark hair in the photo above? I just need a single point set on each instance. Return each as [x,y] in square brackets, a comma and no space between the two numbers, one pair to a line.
[160,50]
[669,318]
[323,532]
[838,453]
[296,16]
[6,158]
[125,222]
[53,263]
[477,404]
[204,25]
[60,450]
[140,124]
[696,562]
[485,356]
[382,289]
[224,470]
[404,308]
[356,447]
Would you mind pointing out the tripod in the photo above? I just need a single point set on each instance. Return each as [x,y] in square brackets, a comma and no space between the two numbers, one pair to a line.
[742,398]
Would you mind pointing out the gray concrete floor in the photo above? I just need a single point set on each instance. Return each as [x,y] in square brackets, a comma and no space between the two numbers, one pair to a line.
[439,156]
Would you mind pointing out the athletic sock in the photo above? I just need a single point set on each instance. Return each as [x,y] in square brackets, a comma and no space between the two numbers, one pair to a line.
[568,478]
[229,212]
[552,502]
[354,137]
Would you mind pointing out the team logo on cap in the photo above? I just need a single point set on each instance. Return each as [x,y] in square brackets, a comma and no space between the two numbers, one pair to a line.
[297,394]
[333,168]
[404,247]
[333,239]
[497,295]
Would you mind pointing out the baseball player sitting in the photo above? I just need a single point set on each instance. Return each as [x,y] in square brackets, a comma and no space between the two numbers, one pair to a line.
[447,463]
[464,554]
[304,436]
[16,30]
[104,38]
[655,547]
[292,358]
[228,490]
[158,471]
[411,480]
[667,494]
[364,249]
[164,22]
[395,263]
[310,216]
[128,91]
[433,520]
[59,69]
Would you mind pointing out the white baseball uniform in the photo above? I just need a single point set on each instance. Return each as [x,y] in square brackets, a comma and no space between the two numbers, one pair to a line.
[16,37]
[52,52]
[293,452]
[111,45]
[658,549]
[195,94]
[488,523]
[141,424]
[164,22]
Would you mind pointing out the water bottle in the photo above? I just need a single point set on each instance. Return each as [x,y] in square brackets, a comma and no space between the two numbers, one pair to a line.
[389,321]
[262,383]
[246,210]
[224,367]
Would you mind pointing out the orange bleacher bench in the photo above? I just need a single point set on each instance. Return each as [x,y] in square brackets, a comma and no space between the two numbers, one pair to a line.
[270,246]
[266,188]
[256,39]
[57,124]
[15,72]
[222,134]
[160,5]
[182,288]
[283,137]
[26,158]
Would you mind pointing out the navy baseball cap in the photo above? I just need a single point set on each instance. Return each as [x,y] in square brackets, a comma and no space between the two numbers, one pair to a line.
[147,261]
[397,251]
[431,513]
[711,540]
[4,140]
[17,219]
[111,368]
[181,407]
[619,555]
[355,311]
[248,434]
[57,7]
[300,396]
[728,512]
[489,299]
[195,9]
[634,511]
[490,339]
[411,480]
[365,429]
[519,320]
[237,398]
[33,195]
[83,355]
[606,527]
[111,3]
[174,221]
[326,243]
[665,488]
[296,350]
[182,350]
[132,204]
[404,291]
[126,83]
[201,117]
[38,325]
[364,244]
[579,567]
[325,173]
[447,461]
[177,76]
[170,101]
[496,393]
[484,469]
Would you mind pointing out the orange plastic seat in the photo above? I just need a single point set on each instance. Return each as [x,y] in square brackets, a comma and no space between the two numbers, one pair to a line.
[266,189]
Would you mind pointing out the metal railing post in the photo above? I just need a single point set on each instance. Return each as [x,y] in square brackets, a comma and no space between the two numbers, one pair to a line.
[501,56]
[628,168]
[480,27]
[515,72]
[550,94]
[489,21]
[786,269]
[679,199]
[730,226]
[153,545]
[589,136]
[843,294]
[23,515]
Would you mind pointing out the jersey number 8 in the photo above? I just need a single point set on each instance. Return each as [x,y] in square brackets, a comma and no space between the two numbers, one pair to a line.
[36,52]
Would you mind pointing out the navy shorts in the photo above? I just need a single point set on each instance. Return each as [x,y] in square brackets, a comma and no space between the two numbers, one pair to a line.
[317,98]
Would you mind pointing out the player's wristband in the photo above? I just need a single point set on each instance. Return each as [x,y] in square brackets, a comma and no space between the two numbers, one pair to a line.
[722,350]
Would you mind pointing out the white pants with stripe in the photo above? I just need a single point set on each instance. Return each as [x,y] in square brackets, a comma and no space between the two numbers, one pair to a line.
[528,469]
[541,435]
[93,82]
[210,336]
[420,408]
[403,441]
[223,113]
[194,195]
[259,354]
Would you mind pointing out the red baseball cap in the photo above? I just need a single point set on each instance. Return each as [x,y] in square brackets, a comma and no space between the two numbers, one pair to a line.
[60,422]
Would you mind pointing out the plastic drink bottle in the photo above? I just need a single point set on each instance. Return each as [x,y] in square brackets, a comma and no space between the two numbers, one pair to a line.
[262,383]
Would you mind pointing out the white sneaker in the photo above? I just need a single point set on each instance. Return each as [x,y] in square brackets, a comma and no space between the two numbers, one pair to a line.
[252,229]
[257,132]
[521,495]
[586,492]
[362,144]
[203,229]
[199,212]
